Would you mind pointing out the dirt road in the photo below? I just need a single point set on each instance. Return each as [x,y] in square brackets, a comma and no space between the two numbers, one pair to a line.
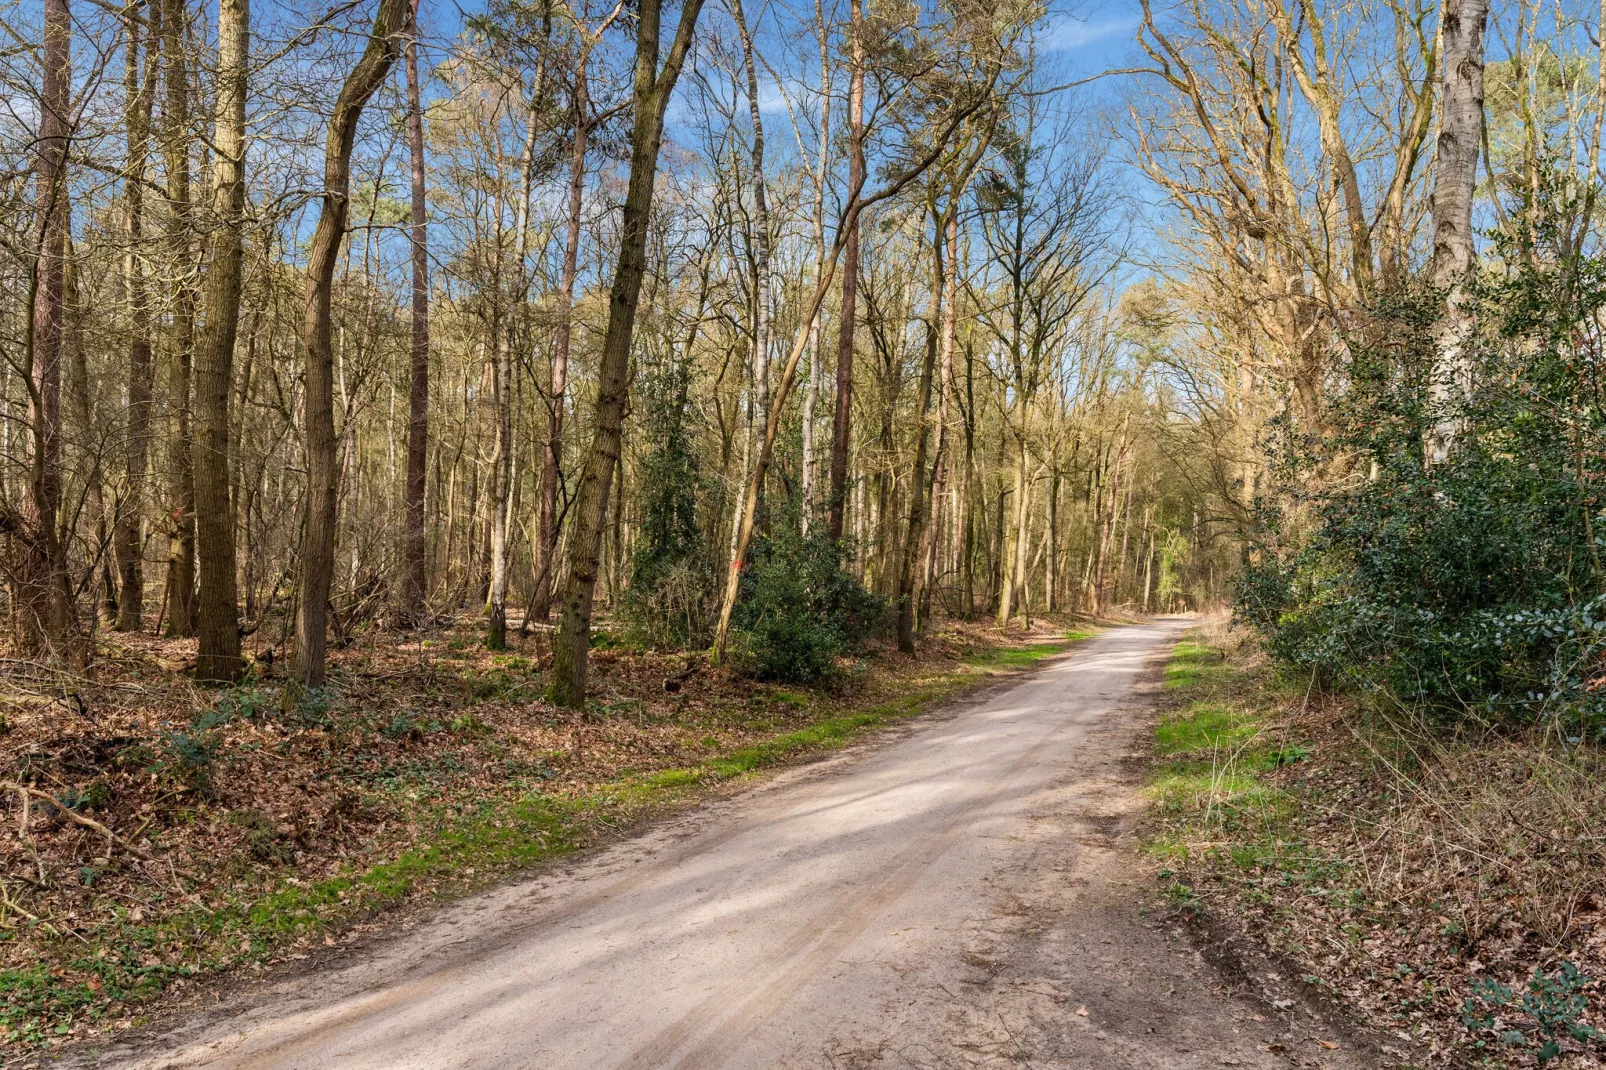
[953,897]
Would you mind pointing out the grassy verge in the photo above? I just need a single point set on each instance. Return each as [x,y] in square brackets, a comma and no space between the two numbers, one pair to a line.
[1216,754]
[1024,657]
[1444,884]
[99,973]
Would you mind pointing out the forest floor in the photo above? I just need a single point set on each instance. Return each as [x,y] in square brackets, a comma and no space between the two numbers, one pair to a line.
[961,890]
[1442,884]
[157,838]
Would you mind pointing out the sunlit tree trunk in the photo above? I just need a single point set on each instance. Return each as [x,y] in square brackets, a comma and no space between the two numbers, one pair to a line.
[914,537]
[842,421]
[502,393]
[80,392]
[1462,26]
[180,592]
[652,92]
[414,584]
[41,606]
[816,379]
[217,613]
[128,534]
[318,546]
[552,455]
[761,225]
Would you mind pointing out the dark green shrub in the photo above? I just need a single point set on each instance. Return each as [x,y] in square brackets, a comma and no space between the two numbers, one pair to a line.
[671,600]
[1474,585]
[799,609]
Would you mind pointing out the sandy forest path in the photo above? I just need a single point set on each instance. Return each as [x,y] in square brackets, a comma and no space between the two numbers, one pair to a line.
[958,895]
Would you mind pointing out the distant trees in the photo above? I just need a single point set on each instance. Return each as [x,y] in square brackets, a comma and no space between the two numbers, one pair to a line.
[512,335]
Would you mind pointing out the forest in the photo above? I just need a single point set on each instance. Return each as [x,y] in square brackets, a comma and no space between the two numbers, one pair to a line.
[312,394]
[415,416]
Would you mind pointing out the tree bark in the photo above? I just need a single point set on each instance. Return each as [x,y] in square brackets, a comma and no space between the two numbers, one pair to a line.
[652,93]
[552,455]
[322,502]
[217,611]
[842,420]
[128,536]
[41,604]
[761,223]
[1462,26]
[180,596]
[414,576]
[914,537]
[941,461]
[811,393]
[502,456]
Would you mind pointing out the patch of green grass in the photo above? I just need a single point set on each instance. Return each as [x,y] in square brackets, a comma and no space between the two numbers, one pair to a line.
[1210,786]
[1215,796]
[1024,657]
[1203,726]
[1194,663]
[672,778]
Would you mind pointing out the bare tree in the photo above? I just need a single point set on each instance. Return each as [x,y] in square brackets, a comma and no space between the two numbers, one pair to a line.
[217,607]
[583,121]
[41,601]
[653,88]
[176,138]
[318,550]
[414,579]
[842,419]
[139,83]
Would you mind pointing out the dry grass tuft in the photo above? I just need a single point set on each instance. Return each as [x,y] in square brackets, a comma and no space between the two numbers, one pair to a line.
[1407,864]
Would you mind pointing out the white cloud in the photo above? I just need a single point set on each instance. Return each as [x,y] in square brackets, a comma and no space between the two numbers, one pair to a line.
[770,98]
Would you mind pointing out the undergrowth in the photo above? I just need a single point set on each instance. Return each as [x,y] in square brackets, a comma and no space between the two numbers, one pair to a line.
[465,786]
[1450,887]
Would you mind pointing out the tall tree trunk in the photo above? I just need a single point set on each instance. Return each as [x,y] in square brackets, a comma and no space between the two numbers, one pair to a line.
[1462,24]
[81,394]
[914,537]
[940,459]
[1107,522]
[552,455]
[842,421]
[128,536]
[1051,553]
[652,93]
[180,595]
[1012,544]
[414,575]
[502,462]
[217,611]
[966,519]
[816,380]
[761,223]
[41,603]
[318,549]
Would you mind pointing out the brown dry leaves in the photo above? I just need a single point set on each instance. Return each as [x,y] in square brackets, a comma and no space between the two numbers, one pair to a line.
[1417,860]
